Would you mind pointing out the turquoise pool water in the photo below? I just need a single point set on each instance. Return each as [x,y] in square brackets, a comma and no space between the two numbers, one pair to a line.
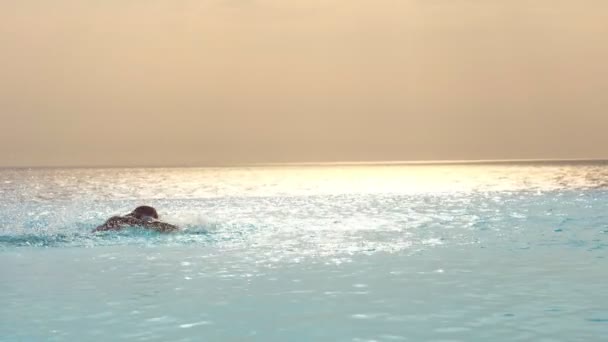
[496,252]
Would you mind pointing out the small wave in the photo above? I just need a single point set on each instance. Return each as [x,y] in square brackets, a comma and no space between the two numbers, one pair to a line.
[32,240]
[128,236]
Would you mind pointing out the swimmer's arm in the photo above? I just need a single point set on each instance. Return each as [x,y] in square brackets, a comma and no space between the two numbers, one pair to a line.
[114,223]
[119,222]
[161,226]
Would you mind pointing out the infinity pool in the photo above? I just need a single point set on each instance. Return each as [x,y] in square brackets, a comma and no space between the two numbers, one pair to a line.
[494,252]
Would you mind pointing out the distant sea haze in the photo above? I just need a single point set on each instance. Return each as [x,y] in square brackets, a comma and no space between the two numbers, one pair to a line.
[339,163]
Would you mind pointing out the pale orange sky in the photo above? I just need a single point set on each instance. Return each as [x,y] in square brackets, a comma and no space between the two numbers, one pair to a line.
[183,82]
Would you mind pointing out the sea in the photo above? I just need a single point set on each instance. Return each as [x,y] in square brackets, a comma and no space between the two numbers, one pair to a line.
[384,252]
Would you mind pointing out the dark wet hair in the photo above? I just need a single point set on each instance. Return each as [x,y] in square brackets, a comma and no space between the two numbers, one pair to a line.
[144,210]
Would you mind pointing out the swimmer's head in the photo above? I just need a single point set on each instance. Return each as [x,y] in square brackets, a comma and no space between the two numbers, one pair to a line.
[144,212]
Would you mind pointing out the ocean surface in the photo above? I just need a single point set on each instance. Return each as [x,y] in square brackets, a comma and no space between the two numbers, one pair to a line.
[471,252]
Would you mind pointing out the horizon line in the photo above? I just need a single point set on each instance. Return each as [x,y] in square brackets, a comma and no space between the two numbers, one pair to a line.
[330,163]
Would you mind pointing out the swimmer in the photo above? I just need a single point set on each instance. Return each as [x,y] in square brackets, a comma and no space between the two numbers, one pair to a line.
[144,217]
